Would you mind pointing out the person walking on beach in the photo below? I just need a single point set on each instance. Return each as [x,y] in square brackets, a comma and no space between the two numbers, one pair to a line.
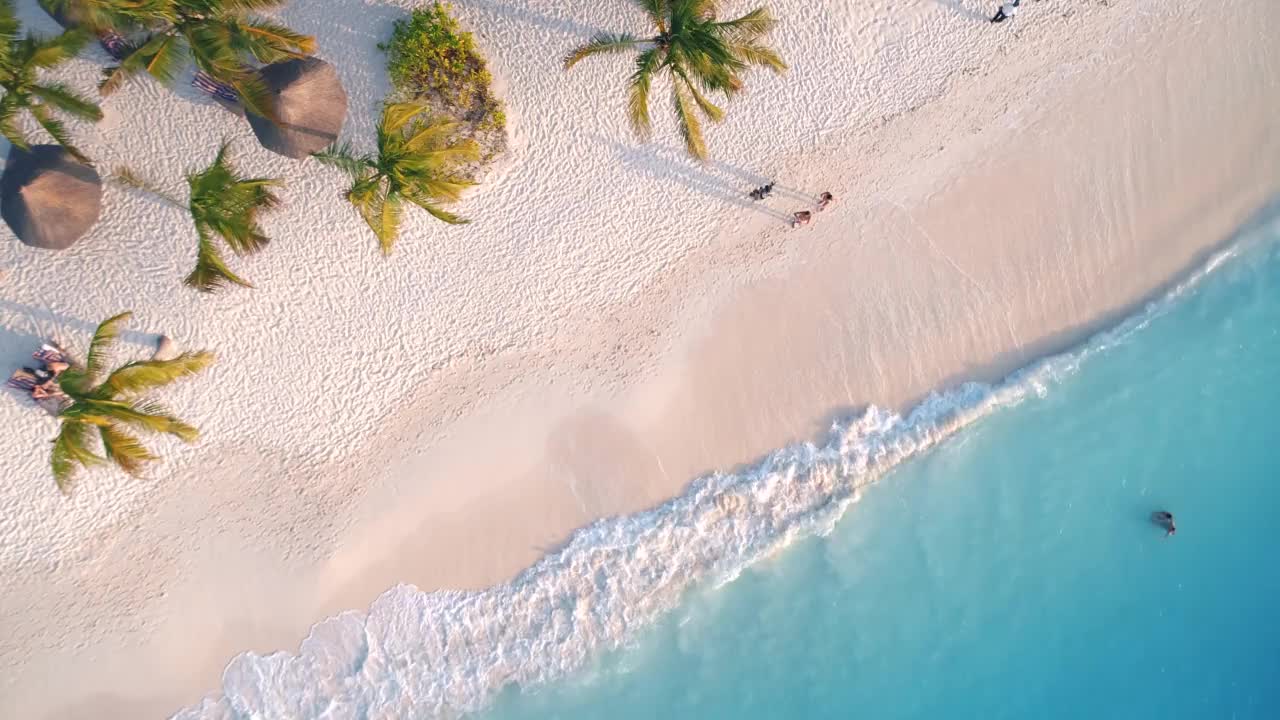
[824,200]
[801,218]
[1006,11]
[1165,520]
[762,192]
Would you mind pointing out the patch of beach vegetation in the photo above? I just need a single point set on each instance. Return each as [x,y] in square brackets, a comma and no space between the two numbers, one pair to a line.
[432,60]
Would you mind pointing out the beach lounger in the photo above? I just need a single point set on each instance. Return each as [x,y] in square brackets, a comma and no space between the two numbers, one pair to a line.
[50,354]
[54,360]
[117,47]
[115,44]
[219,90]
[22,380]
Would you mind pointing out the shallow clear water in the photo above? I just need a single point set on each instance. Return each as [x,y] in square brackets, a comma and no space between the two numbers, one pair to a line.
[1013,571]
[1010,571]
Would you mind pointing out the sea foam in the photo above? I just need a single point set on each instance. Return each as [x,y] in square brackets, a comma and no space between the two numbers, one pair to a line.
[444,654]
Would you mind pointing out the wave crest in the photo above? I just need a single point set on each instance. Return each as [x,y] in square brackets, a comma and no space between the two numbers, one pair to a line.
[445,654]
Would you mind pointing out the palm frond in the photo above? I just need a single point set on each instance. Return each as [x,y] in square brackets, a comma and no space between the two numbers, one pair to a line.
[214,49]
[105,15]
[56,130]
[436,211]
[638,97]
[129,178]
[124,449]
[113,78]
[74,382]
[425,136]
[439,189]
[395,116]
[65,99]
[238,7]
[657,12]
[164,57]
[71,452]
[254,94]
[143,375]
[269,42]
[416,163]
[9,108]
[10,27]
[211,272]
[102,346]
[344,158]
[707,57]
[710,109]
[145,416]
[113,407]
[690,126]
[227,205]
[753,53]
[600,44]
[135,60]
[382,213]
[749,26]
[209,38]
[52,51]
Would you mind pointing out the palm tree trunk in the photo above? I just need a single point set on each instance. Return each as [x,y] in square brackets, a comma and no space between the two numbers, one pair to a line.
[130,179]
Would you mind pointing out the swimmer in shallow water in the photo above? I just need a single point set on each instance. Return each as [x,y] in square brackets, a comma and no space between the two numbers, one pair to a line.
[1165,520]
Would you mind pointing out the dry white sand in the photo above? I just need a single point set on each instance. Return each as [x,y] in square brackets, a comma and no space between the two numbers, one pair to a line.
[615,321]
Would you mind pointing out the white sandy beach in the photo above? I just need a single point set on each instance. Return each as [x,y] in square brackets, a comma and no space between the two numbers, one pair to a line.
[616,320]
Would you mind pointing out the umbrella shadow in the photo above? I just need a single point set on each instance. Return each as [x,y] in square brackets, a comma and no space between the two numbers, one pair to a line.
[720,181]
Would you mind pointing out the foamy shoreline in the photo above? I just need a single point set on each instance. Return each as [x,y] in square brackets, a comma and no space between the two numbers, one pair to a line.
[246,552]
[449,652]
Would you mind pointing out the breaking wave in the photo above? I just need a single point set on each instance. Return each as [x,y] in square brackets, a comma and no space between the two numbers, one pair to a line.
[445,654]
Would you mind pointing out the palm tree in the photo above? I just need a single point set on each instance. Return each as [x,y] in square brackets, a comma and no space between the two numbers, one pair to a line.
[221,37]
[222,204]
[20,59]
[113,405]
[417,160]
[699,54]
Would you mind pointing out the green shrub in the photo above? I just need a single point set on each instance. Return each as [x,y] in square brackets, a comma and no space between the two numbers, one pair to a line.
[430,56]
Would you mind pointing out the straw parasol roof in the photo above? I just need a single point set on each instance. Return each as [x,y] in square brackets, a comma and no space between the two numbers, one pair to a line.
[310,107]
[48,197]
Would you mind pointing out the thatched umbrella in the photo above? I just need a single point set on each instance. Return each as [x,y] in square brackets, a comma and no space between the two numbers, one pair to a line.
[48,197]
[310,107]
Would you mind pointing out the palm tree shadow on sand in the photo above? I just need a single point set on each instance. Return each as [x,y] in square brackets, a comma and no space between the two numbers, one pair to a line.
[32,325]
[957,6]
[559,25]
[722,182]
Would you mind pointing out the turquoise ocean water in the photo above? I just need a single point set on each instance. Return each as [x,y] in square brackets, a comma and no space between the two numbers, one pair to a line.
[1013,571]
[1003,566]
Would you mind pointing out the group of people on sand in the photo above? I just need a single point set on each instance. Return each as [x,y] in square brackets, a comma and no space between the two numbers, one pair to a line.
[41,382]
[762,192]
[804,216]
[1006,11]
